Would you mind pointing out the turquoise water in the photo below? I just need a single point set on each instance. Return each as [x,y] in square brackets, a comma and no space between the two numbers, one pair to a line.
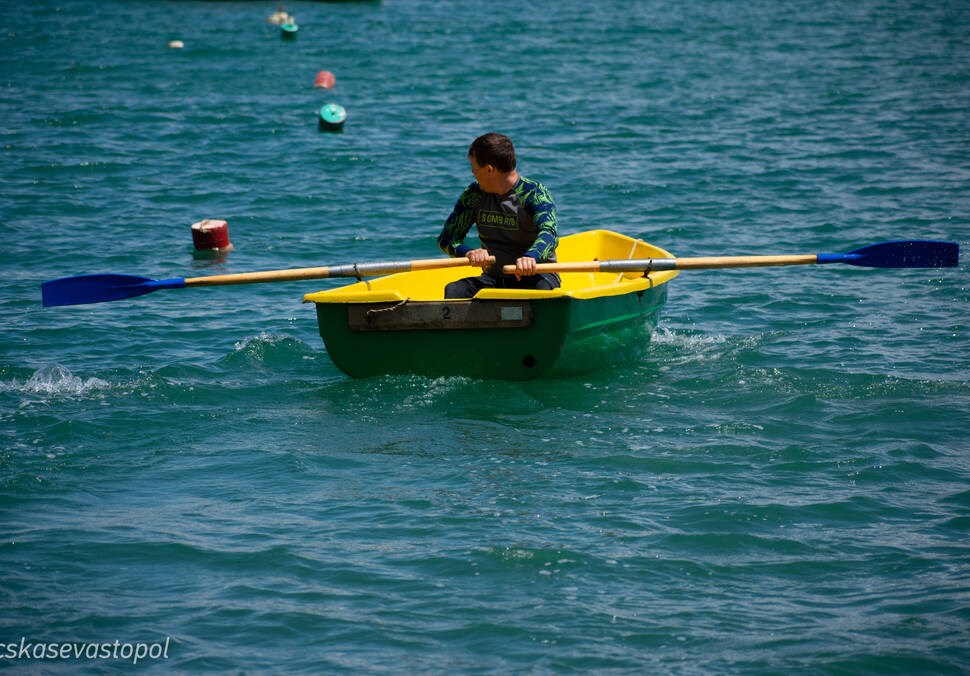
[781,484]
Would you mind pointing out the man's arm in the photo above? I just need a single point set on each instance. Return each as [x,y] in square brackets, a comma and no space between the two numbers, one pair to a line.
[452,237]
[547,226]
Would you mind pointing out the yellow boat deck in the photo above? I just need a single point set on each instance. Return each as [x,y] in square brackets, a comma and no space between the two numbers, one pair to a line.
[429,285]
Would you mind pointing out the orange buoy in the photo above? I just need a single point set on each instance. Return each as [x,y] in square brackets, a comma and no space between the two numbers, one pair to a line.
[324,80]
[211,235]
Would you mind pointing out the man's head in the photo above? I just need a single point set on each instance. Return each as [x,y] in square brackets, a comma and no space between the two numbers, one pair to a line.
[492,158]
[493,149]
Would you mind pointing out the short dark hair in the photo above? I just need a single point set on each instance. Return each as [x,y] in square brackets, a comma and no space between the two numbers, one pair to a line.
[494,149]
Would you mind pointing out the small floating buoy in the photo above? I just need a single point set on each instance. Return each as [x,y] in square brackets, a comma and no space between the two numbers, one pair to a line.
[332,117]
[289,31]
[211,235]
[324,80]
[176,44]
[280,17]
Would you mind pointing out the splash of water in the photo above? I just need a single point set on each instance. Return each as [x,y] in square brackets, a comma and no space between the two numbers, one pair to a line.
[55,379]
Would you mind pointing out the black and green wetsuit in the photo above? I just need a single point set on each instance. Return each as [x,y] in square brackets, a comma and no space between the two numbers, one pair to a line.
[522,222]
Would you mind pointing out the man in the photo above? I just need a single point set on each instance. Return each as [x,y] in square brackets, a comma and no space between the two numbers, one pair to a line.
[515,218]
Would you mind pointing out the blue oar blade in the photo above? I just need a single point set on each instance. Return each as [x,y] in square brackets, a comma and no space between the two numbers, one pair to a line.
[100,288]
[912,253]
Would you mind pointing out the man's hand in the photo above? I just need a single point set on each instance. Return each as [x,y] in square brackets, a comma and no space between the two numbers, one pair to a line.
[479,257]
[525,267]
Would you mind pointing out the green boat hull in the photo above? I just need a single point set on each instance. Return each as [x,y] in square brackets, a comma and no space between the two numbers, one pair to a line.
[490,339]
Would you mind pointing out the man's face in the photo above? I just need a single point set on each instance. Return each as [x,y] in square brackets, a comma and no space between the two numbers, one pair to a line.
[483,175]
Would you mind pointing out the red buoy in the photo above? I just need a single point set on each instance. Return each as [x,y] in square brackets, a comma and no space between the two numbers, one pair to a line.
[325,80]
[211,234]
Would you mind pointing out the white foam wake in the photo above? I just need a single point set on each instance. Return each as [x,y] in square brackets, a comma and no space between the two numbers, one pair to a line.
[54,379]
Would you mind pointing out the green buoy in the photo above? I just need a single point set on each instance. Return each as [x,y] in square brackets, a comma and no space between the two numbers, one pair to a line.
[332,117]
[289,31]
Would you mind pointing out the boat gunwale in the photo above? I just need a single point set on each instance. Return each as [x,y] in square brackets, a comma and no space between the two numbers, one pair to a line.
[622,284]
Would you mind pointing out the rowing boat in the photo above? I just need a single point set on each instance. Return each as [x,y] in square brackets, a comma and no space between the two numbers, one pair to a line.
[604,313]
[401,323]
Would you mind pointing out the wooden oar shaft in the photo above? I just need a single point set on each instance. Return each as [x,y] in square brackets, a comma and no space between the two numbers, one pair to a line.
[265,276]
[660,264]
[353,270]
[715,262]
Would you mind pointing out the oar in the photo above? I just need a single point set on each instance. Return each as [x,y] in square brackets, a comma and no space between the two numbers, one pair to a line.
[912,253]
[100,288]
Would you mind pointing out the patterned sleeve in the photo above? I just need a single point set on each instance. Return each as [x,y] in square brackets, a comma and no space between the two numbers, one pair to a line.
[452,237]
[544,216]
